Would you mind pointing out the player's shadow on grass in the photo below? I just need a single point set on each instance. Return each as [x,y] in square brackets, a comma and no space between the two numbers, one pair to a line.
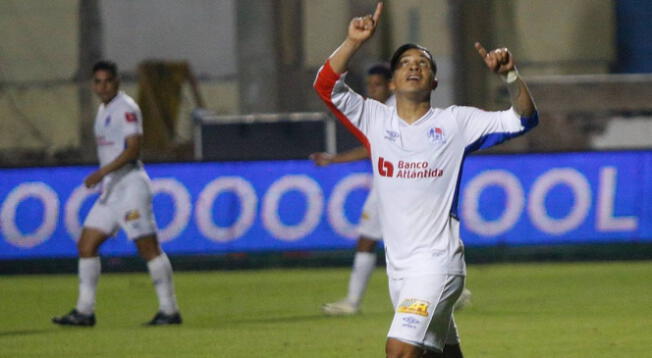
[23,332]
[301,318]
[284,319]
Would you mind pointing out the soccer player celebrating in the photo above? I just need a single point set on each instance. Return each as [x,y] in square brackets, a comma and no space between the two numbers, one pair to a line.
[377,88]
[125,201]
[417,154]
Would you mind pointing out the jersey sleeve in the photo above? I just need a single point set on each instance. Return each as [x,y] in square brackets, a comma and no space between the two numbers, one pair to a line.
[484,129]
[132,121]
[349,107]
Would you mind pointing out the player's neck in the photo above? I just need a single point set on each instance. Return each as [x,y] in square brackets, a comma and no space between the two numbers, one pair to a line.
[411,110]
[383,99]
[111,99]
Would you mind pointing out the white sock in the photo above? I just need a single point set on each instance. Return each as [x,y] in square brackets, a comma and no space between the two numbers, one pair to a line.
[363,267]
[89,273]
[161,271]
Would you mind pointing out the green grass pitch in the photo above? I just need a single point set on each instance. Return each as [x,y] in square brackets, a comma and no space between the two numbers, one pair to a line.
[519,310]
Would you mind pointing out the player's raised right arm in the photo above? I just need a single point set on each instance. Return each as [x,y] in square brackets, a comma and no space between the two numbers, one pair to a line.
[344,103]
[360,30]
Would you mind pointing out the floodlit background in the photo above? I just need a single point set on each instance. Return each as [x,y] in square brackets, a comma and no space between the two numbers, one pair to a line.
[230,116]
[261,57]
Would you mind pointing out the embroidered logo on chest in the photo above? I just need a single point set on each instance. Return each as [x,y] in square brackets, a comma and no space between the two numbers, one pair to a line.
[391,136]
[107,121]
[436,135]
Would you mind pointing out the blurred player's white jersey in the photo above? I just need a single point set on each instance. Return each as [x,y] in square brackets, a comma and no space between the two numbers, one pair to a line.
[417,170]
[114,122]
[126,199]
[391,101]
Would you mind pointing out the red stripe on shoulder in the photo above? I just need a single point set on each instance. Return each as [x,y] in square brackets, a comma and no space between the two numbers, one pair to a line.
[324,84]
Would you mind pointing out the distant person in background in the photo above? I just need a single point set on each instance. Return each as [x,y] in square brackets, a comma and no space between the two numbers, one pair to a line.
[378,88]
[125,202]
[378,84]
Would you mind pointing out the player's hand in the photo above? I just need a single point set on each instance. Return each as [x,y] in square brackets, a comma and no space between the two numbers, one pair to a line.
[362,28]
[93,179]
[499,61]
[321,159]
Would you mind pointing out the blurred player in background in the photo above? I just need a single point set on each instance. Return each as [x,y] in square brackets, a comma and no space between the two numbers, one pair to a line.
[417,153]
[125,202]
[378,87]
[378,84]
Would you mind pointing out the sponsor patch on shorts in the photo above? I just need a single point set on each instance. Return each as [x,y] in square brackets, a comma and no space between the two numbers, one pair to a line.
[132,215]
[410,322]
[414,306]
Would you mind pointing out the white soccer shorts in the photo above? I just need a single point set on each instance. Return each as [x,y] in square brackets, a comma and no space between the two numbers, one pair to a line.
[128,205]
[369,226]
[423,310]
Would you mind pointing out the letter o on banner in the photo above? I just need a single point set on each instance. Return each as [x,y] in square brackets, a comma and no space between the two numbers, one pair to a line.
[204,213]
[182,207]
[50,201]
[582,201]
[315,200]
[71,210]
[336,215]
[513,208]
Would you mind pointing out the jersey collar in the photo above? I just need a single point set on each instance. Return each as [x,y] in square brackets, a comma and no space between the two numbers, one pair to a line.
[113,100]
[415,123]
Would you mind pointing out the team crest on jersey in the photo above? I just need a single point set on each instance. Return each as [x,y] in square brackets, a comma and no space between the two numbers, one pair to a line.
[391,135]
[107,121]
[436,135]
[132,215]
[131,117]
[414,306]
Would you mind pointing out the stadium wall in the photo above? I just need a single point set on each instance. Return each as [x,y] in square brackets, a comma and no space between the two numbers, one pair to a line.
[289,206]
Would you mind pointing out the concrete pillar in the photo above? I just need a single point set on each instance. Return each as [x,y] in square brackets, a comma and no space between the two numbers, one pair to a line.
[257,55]
[296,81]
[471,22]
[90,51]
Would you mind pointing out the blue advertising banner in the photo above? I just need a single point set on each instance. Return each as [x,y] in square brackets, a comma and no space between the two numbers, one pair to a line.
[529,199]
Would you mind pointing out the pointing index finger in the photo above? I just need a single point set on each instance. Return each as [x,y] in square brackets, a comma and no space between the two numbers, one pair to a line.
[379,10]
[481,50]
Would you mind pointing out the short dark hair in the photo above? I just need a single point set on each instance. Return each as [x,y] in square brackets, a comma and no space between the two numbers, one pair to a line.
[105,65]
[380,69]
[399,52]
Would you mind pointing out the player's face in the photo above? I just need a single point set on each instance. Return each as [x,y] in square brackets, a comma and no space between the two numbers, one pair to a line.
[105,85]
[378,88]
[414,73]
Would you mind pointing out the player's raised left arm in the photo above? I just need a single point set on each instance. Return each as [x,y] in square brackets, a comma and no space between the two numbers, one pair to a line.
[501,62]
[130,154]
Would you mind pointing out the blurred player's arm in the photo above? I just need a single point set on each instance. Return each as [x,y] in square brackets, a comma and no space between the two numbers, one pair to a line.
[130,154]
[324,159]
[360,30]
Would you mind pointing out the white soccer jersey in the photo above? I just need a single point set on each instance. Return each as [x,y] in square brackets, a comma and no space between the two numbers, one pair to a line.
[417,170]
[369,226]
[126,199]
[114,122]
